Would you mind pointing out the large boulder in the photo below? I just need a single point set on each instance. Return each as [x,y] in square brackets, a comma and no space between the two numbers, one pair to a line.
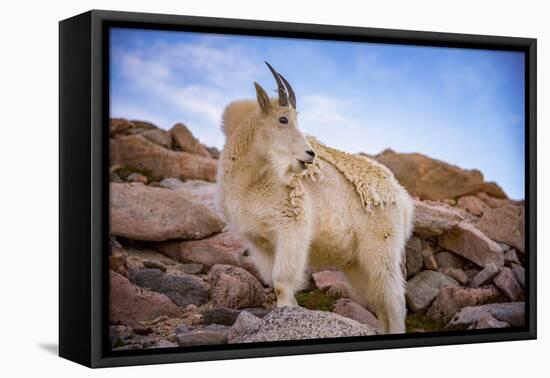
[185,141]
[424,287]
[141,212]
[505,224]
[158,136]
[467,241]
[512,313]
[429,178]
[234,287]
[451,299]
[130,304]
[140,153]
[202,191]
[294,323]
[432,219]
[183,289]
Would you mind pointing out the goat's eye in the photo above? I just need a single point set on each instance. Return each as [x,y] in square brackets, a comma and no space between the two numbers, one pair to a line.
[283,120]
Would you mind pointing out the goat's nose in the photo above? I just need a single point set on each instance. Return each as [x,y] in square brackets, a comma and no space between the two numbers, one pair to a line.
[310,153]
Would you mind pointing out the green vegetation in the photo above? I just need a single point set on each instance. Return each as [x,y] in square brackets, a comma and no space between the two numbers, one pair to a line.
[315,300]
[422,323]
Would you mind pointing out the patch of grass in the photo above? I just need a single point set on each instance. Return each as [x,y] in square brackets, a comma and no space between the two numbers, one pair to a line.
[422,323]
[315,300]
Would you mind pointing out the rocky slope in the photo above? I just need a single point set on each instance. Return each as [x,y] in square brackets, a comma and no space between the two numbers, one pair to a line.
[180,278]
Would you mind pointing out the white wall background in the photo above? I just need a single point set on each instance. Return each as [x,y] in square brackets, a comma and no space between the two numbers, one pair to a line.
[29,186]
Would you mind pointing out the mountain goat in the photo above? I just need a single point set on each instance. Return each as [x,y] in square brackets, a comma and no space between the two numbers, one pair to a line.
[297,202]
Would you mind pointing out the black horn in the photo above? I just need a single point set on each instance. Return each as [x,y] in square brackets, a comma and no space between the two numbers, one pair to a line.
[283,98]
[291,95]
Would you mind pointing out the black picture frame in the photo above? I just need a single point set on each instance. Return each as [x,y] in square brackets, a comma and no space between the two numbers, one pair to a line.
[84,186]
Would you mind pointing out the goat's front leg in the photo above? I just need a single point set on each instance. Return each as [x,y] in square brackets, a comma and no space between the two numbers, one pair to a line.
[291,255]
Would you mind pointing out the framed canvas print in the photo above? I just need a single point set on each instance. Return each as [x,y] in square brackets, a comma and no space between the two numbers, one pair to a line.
[234,188]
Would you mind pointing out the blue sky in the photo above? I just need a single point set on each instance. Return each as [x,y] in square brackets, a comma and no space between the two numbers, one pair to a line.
[462,106]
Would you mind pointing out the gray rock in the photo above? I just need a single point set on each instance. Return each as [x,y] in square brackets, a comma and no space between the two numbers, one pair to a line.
[228,316]
[511,257]
[519,272]
[173,183]
[124,337]
[202,337]
[182,328]
[512,313]
[163,343]
[183,290]
[446,259]
[424,287]
[295,323]
[485,276]
[457,274]
[153,264]
[488,321]
[235,287]
[414,258]
[507,283]
[191,268]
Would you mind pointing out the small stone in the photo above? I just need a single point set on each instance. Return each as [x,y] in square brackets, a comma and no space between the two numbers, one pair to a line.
[511,257]
[457,274]
[245,323]
[485,276]
[488,321]
[446,259]
[450,300]
[235,287]
[324,279]
[191,308]
[165,344]
[414,258]
[192,268]
[355,311]
[136,177]
[173,183]
[507,283]
[428,256]
[424,287]
[114,177]
[152,264]
[519,272]
[182,328]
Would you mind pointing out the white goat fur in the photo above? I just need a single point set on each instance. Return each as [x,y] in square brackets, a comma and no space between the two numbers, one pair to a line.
[343,211]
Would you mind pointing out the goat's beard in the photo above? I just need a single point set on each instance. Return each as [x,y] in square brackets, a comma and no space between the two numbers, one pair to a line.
[287,169]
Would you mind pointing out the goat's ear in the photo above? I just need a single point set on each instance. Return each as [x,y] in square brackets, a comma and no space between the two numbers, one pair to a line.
[263,98]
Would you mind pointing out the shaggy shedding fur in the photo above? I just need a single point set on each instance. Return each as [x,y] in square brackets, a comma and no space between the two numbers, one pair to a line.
[343,211]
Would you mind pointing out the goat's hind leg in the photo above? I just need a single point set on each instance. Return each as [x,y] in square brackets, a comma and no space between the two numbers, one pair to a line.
[380,287]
